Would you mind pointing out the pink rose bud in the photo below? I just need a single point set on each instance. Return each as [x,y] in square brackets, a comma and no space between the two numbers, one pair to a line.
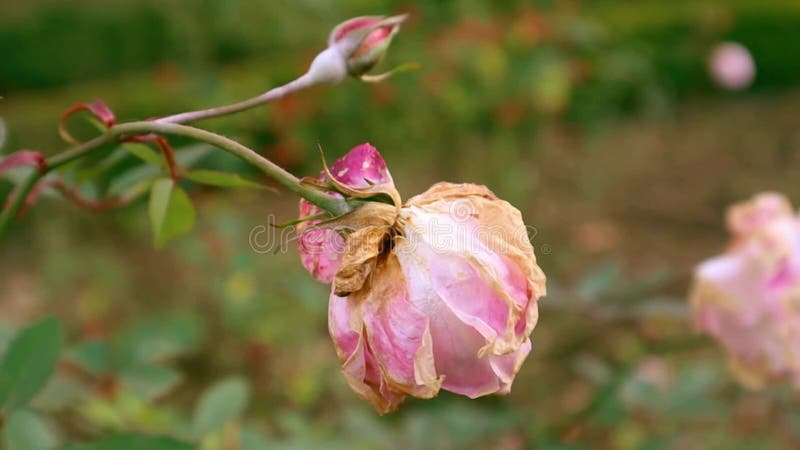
[731,66]
[747,297]
[320,248]
[354,48]
[440,293]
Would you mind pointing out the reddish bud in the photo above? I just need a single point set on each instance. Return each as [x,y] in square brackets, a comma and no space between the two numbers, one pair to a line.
[24,158]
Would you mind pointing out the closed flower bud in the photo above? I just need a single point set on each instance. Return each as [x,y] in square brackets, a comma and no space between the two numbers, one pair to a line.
[440,293]
[354,48]
[747,297]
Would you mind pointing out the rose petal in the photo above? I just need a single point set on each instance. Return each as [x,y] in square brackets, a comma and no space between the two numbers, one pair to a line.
[397,333]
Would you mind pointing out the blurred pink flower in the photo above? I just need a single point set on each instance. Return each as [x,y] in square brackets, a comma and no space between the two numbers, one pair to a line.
[438,293]
[748,298]
[731,66]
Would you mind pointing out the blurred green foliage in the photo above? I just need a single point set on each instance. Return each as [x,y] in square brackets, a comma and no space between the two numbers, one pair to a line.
[596,118]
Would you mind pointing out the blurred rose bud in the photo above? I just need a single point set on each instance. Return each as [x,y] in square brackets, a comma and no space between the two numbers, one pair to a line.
[437,294]
[732,66]
[748,297]
[354,48]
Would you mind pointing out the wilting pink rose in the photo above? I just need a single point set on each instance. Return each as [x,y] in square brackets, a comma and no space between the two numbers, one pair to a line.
[355,47]
[321,249]
[437,294]
[748,298]
[732,66]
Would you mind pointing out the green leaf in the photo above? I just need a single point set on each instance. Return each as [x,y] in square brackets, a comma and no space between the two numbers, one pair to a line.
[27,430]
[91,356]
[134,442]
[221,403]
[145,153]
[171,212]
[29,362]
[149,381]
[221,179]
[186,157]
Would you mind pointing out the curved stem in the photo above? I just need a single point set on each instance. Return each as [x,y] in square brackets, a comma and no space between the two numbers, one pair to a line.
[18,200]
[303,82]
[335,206]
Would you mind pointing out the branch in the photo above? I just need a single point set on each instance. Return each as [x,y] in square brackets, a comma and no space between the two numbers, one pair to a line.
[334,206]
[303,82]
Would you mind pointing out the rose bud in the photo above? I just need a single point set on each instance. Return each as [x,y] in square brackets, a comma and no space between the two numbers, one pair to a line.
[747,297]
[437,294]
[354,48]
[321,248]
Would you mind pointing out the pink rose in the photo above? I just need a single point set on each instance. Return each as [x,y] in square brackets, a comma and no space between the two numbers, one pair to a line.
[437,294]
[747,298]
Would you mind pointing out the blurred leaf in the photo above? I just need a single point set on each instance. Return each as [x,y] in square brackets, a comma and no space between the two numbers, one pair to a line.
[185,157]
[222,179]
[156,339]
[145,153]
[91,356]
[29,362]
[7,333]
[252,439]
[26,430]
[150,381]
[171,212]
[60,392]
[598,281]
[95,168]
[134,442]
[221,403]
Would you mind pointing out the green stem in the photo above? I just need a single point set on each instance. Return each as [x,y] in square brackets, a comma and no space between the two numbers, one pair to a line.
[332,205]
[303,82]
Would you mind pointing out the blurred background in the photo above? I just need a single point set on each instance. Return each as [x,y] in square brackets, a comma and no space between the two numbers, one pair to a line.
[599,119]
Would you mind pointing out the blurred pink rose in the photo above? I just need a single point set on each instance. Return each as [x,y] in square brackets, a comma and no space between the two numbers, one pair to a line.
[732,66]
[748,297]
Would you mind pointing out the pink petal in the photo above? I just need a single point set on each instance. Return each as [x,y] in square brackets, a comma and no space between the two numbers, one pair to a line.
[359,365]
[361,167]
[507,366]
[397,333]
[345,338]
[746,217]
[455,344]
[480,286]
[351,25]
